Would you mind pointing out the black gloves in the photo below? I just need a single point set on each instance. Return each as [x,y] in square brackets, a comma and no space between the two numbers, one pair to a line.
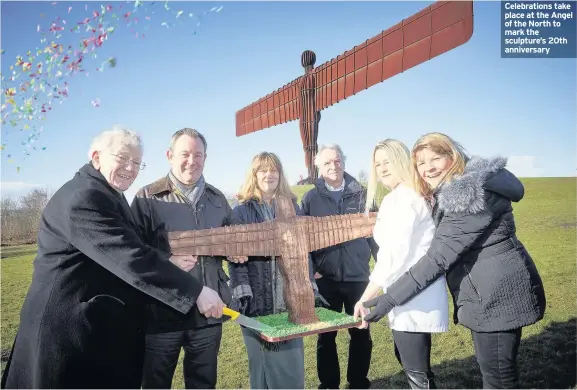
[243,304]
[382,304]
[320,301]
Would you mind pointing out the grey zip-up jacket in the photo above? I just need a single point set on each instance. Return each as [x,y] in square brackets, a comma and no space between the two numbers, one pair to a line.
[349,261]
[493,280]
[159,210]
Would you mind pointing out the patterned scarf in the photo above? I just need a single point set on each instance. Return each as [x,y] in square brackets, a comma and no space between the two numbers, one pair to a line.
[278,283]
[193,194]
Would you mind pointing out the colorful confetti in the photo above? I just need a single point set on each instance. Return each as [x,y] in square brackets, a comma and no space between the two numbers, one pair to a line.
[39,79]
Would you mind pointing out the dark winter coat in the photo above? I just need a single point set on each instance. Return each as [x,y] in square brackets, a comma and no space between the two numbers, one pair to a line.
[82,321]
[257,272]
[493,280]
[349,261]
[158,209]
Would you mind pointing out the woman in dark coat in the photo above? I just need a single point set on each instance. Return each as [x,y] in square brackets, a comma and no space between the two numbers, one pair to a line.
[494,282]
[258,284]
[81,324]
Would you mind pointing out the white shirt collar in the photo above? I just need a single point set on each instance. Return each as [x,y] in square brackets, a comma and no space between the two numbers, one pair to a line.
[339,188]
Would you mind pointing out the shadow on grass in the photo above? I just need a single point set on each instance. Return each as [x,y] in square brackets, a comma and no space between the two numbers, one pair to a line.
[546,361]
[6,254]
[5,354]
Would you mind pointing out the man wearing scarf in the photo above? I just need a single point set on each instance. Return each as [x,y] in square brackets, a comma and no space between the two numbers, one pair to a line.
[183,200]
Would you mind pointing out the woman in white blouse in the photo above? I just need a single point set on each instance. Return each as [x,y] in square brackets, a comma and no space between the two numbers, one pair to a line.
[404,231]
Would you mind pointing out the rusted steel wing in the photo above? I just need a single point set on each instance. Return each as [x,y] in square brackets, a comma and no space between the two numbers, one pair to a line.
[430,32]
[280,106]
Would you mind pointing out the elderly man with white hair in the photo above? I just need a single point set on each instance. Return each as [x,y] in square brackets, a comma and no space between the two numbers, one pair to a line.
[82,322]
[344,268]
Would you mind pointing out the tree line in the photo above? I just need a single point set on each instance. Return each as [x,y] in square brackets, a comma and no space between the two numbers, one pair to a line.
[20,217]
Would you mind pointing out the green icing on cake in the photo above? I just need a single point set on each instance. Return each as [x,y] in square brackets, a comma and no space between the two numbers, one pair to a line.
[282,327]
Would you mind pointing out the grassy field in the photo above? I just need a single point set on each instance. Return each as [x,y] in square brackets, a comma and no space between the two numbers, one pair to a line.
[546,222]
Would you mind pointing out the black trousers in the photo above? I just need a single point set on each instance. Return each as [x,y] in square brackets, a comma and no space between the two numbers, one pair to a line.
[201,348]
[413,350]
[496,354]
[347,294]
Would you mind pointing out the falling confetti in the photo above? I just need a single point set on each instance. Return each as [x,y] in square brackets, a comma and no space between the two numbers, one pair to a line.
[39,79]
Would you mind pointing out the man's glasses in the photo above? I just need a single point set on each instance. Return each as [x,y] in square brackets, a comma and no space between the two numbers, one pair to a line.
[127,160]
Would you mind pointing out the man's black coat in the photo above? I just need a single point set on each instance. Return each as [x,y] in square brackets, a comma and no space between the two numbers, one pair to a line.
[81,325]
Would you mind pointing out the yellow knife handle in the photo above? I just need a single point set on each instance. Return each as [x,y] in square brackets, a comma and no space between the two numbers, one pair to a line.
[231,313]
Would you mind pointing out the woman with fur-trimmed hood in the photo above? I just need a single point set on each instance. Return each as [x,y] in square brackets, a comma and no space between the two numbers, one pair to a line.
[493,280]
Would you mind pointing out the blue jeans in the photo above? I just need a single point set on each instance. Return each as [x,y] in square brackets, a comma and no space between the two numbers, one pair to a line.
[497,357]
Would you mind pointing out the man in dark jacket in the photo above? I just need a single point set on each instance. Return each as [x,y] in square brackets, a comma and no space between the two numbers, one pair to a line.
[82,322]
[183,201]
[344,268]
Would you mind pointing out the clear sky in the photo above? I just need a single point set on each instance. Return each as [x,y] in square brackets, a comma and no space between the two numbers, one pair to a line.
[520,108]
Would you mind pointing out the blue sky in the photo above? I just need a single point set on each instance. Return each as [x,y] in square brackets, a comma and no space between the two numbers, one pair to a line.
[520,108]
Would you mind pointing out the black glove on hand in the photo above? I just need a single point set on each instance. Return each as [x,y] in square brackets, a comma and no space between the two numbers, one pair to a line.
[382,306]
[320,301]
[243,306]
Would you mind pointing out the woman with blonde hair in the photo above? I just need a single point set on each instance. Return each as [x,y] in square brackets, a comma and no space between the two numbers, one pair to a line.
[258,284]
[494,282]
[404,231]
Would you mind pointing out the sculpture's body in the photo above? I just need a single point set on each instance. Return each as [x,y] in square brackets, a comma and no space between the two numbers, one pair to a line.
[433,31]
[289,236]
[309,116]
